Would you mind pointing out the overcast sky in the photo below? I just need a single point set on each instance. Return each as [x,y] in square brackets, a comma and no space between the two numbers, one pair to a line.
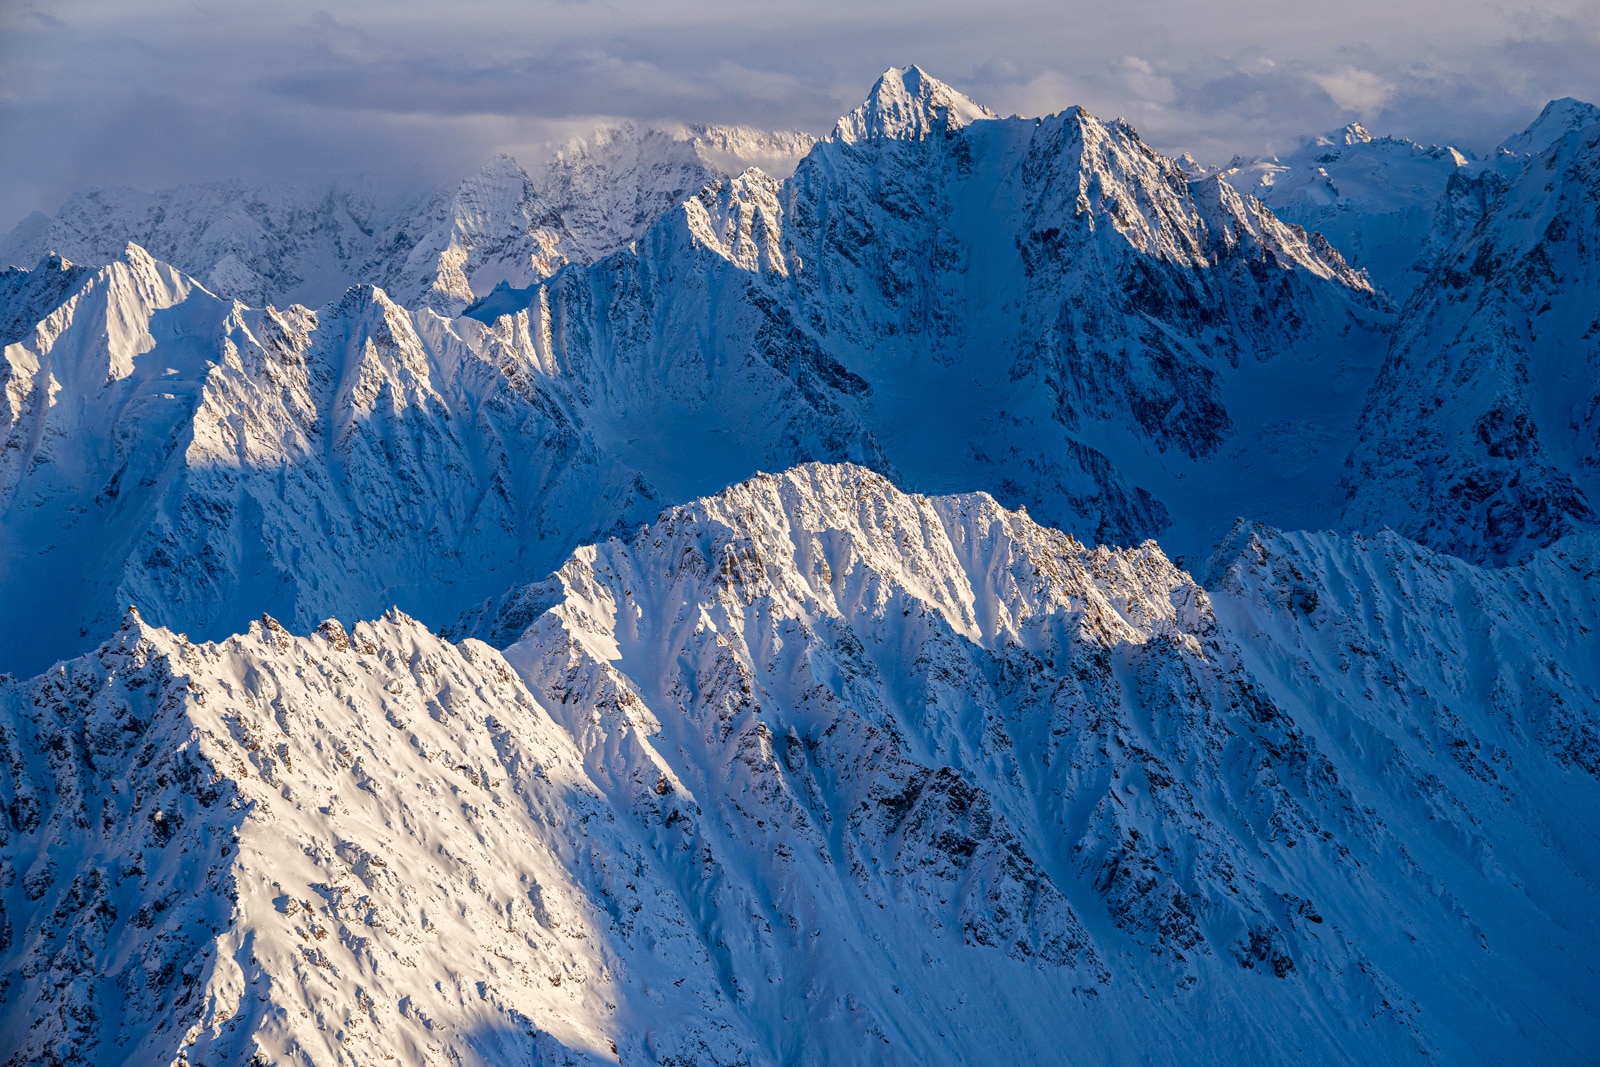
[155,92]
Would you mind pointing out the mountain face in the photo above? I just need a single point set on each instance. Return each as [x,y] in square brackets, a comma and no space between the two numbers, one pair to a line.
[255,244]
[283,244]
[1373,198]
[594,198]
[1558,119]
[815,771]
[1481,435]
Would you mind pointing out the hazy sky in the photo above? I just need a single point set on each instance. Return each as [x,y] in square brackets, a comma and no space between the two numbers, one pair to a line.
[95,92]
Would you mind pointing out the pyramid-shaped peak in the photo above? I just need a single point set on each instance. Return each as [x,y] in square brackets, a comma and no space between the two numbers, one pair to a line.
[907,104]
[54,261]
[1559,118]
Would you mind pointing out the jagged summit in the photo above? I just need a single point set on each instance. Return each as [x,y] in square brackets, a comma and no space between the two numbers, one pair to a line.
[289,244]
[1355,133]
[1559,118]
[908,104]
[923,751]
[27,296]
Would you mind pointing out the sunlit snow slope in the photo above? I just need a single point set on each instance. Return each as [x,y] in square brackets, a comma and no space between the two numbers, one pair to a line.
[283,243]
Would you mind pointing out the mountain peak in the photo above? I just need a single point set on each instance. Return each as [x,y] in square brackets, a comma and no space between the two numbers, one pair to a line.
[907,105]
[1355,133]
[1559,118]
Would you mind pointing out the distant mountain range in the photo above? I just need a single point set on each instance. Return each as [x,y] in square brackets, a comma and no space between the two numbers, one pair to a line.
[1170,638]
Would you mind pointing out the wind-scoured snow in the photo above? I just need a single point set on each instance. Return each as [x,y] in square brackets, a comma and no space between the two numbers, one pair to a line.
[811,769]
[815,771]
[167,448]
[1044,307]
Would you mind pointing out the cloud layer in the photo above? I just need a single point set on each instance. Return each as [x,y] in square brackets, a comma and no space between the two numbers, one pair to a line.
[164,91]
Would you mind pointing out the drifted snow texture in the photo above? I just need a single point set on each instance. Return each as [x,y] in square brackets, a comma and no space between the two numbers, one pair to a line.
[815,771]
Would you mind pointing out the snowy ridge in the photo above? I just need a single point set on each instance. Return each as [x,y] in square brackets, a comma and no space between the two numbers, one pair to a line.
[811,769]
[1044,307]
[208,461]
[596,197]
[1007,305]
[255,244]
[1558,119]
[230,818]
[1373,198]
[28,296]
[282,244]
[815,771]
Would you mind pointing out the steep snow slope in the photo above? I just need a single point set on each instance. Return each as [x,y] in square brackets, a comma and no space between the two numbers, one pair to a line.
[1045,307]
[1464,705]
[166,448]
[333,849]
[284,244]
[1481,435]
[1557,119]
[1196,793]
[816,772]
[1373,198]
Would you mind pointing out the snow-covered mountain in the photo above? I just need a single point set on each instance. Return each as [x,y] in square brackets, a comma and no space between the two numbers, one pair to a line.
[1373,198]
[811,769]
[595,197]
[1044,307]
[814,771]
[284,244]
[209,461]
[1482,433]
[1558,119]
[257,244]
